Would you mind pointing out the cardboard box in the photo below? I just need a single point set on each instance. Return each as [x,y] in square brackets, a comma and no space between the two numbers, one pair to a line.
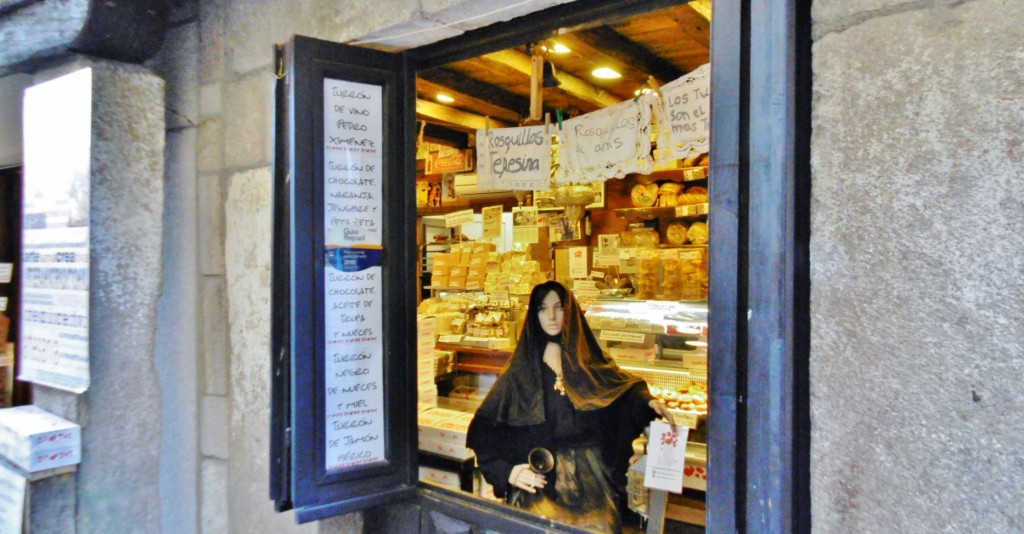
[456,271]
[451,431]
[475,282]
[633,355]
[442,259]
[442,270]
[34,439]
[446,449]
[457,282]
[476,271]
[439,281]
[440,476]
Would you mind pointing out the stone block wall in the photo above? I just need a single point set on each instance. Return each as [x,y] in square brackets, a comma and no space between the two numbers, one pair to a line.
[917,302]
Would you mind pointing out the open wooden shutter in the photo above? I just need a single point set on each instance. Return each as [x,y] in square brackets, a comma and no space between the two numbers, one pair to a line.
[344,297]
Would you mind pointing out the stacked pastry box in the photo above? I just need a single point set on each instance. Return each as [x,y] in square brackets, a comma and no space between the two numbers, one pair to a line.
[426,367]
[463,267]
[443,432]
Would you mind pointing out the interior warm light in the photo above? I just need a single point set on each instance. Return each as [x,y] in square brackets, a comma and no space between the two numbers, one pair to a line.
[606,73]
[444,99]
[561,49]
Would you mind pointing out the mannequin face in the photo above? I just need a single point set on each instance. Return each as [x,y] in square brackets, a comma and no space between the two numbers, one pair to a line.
[551,314]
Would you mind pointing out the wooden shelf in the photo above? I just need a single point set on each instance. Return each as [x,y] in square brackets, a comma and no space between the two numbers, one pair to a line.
[671,212]
[682,174]
[477,359]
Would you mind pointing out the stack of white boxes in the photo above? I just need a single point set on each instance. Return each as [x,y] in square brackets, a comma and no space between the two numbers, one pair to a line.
[426,327]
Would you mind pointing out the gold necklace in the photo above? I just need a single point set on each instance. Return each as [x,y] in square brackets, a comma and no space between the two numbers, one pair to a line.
[559,384]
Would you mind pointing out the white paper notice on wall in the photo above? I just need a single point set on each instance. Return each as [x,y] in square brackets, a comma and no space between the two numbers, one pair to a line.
[12,499]
[3,304]
[666,457]
[6,269]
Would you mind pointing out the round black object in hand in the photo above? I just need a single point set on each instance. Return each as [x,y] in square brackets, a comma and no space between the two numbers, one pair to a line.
[541,460]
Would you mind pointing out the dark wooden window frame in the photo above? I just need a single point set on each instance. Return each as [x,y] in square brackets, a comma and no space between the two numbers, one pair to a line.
[759,427]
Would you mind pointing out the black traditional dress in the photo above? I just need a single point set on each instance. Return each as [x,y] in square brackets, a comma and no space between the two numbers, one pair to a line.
[589,429]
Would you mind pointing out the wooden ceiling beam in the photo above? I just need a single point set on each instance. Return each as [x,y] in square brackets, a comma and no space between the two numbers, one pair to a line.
[693,25]
[462,120]
[517,106]
[605,41]
[570,84]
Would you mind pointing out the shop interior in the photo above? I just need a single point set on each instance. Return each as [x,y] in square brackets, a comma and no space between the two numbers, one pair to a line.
[633,248]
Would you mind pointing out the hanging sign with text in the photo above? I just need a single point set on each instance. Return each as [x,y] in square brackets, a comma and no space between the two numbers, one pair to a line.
[514,158]
[686,108]
[353,341]
[608,143]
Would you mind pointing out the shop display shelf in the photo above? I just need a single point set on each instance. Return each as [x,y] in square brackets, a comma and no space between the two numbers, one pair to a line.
[681,174]
[668,212]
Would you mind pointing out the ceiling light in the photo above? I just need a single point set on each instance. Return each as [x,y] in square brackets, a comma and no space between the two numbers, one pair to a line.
[444,99]
[561,49]
[606,73]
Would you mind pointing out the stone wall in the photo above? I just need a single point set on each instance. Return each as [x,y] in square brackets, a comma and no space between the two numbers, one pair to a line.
[917,303]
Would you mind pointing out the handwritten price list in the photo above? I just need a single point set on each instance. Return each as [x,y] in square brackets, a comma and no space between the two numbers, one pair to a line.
[352,163]
[353,368]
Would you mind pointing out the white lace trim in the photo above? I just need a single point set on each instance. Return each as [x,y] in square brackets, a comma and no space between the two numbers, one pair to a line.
[607,143]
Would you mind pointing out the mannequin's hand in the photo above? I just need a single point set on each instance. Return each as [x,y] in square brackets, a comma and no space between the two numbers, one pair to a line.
[525,479]
[662,411]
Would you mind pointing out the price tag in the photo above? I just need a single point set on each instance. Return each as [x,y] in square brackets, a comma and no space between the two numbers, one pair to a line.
[628,337]
[687,419]
[689,210]
[660,306]
[695,173]
[499,298]
[596,274]
[457,218]
[449,338]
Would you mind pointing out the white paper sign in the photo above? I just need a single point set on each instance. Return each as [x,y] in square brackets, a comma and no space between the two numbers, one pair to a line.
[579,266]
[12,499]
[55,233]
[685,108]
[457,218]
[513,158]
[666,457]
[354,430]
[492,221]
[3,303]
[608,143]
[6,269]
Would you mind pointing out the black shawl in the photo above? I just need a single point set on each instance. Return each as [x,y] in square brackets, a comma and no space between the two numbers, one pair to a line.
[592,381]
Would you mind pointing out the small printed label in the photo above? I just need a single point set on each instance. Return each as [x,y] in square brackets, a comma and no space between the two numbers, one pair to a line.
[628,337]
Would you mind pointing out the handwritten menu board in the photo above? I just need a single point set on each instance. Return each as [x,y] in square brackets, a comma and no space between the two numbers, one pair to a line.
[353,366]
[55,233]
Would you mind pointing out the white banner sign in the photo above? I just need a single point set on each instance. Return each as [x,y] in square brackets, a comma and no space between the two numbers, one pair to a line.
[514,158]
[686,110]
[608,143]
